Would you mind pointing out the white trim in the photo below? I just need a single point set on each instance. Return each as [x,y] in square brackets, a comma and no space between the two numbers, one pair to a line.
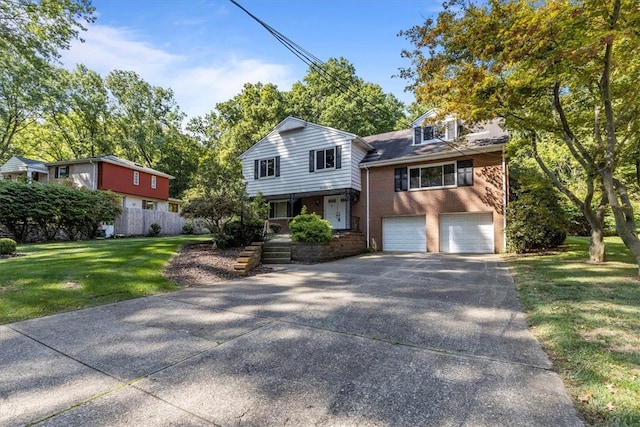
[433,165]
[266,159]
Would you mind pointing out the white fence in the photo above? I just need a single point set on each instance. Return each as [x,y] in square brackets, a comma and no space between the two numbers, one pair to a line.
[135,222]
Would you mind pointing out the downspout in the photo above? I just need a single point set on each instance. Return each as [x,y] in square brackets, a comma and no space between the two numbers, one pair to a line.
[367,214]
[94,178]
[504,202]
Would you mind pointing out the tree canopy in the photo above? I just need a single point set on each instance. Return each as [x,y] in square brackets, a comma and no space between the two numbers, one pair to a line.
[559,70]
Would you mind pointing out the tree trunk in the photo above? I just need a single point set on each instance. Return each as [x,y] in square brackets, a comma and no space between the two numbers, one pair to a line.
[623,214]
[597,247]
[595,219]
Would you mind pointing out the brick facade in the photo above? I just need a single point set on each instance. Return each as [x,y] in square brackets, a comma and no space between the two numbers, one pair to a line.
[486,195]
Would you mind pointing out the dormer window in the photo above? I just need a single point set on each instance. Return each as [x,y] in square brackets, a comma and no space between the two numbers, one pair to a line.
[447,131]
[430,133]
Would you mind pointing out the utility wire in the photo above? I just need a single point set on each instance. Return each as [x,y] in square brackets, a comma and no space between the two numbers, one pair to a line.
[310,59]
[319,66]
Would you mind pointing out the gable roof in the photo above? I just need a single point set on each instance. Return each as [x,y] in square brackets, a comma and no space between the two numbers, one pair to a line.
[397,146]
[20,164]
[291,124]
[115,161]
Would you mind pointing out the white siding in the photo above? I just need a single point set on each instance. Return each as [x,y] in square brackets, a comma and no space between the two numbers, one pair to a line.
[293,148]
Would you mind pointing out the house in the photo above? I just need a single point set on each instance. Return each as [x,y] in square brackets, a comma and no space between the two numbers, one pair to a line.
[144,192]
[304,164]
[17,166]
[138,186]
[434,187]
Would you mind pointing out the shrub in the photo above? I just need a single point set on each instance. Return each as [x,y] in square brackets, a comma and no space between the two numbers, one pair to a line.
[310,228]
[7,246]
[188,228]
[237,233]
[275,227]
[154,229]
[534,226]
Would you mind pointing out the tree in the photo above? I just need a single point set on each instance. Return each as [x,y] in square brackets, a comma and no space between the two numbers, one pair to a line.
[80,115]
[23,89]
[36,30]
[555,70]
[142,116]
[331,94]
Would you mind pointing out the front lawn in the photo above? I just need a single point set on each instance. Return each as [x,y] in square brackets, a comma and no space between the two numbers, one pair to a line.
[587,317]
[50,278]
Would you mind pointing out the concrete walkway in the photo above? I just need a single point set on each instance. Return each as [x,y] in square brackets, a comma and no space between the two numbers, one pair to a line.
[376,340]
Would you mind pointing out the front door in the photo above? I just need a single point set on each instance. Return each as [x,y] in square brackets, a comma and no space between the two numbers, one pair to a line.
[335,211]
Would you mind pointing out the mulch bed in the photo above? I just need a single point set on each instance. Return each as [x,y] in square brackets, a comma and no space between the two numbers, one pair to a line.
[202,264]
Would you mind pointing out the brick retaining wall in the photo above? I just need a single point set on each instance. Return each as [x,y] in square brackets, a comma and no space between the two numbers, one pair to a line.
[343,245]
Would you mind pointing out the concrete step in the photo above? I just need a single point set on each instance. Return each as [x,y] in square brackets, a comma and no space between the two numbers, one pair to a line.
[276,253]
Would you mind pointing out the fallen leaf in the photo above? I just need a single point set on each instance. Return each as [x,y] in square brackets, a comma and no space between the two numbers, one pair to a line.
[610,406]
[585,398]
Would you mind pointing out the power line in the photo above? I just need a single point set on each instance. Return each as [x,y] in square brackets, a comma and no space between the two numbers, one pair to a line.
[319,66]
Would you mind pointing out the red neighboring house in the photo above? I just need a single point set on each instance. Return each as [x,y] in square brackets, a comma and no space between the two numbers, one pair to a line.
[140,187]
[144,191]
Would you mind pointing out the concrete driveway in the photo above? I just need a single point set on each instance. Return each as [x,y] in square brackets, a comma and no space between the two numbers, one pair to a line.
[380,340]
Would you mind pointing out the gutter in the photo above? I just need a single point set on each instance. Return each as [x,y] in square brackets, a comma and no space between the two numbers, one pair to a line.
[368,204]
[435,156]
[504,202]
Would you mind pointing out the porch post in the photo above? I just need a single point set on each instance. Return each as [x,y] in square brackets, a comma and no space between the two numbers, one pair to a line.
[347,221]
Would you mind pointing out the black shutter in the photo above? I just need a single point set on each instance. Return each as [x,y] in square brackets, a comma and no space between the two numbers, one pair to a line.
[465,173]
[57,174]
[312,155]
[338,156]
[277,165]
[417,135]
[255,169]
[400,179]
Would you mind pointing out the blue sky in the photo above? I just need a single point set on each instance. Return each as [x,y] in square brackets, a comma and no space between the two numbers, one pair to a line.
[205,50]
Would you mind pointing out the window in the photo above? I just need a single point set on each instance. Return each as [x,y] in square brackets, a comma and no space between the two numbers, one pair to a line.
[173,207]
[432,176]
[448,131]
[329,158]
[278,209]
[465,173]
[326,159]
[136,178]
[149,205]
[267,168]
[62,171]
[153,181]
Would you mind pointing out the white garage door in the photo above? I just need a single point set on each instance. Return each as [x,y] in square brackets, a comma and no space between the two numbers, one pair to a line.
[406,234]
[466,233]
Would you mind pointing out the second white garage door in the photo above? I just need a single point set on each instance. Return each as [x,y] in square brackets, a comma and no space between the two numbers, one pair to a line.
[466,233]
[404,233]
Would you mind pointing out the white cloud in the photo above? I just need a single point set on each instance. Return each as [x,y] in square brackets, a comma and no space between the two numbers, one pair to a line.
[198,89]
[198,83]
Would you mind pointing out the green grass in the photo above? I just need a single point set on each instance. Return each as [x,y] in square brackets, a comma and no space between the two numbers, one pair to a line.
[55,277]
[587,317]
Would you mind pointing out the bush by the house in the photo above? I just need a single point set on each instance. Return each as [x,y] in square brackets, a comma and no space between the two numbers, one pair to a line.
[238,232]
[7,246]
[310,228]
[51,211]
[534,225]
[154,230]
